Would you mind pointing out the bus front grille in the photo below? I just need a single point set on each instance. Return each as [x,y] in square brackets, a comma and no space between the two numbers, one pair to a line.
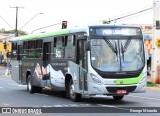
[114,89]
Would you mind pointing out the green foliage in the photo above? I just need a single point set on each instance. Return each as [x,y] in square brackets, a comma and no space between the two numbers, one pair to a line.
[2,30]
[20,32]
[106,22]
[150,84]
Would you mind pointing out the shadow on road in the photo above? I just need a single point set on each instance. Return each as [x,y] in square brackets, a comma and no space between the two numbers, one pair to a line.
[108,100]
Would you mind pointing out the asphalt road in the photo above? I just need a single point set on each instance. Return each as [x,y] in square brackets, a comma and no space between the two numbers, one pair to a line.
[15,95]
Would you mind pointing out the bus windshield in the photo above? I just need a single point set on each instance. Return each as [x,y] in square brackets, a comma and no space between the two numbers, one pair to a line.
[117,54]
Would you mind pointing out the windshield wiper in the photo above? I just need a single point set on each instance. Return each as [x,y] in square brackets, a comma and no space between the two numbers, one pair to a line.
[126,45]
[123,49]
[114,49]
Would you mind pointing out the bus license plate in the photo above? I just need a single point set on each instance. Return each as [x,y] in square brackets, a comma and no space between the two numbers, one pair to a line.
[121,91]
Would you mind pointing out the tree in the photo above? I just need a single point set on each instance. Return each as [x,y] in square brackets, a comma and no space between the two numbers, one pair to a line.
[2,30]
[20,32]
[106,22]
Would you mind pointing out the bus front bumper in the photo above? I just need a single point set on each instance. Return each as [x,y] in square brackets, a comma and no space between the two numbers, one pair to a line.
[95,89]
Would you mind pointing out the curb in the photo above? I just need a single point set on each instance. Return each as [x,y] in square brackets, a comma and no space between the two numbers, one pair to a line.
[153,88]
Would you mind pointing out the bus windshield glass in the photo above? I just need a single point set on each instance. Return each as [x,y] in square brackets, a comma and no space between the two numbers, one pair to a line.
[117,54]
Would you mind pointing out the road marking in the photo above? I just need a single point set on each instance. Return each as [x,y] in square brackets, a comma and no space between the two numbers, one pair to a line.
[84,104]
[9,81]
[41,94]
[3,79]
[16,85]
[68,105]
[112,106]
[58,106]
[73,105]
[65,105]
[6,104]
[145,97]
[12,84]
[47,106]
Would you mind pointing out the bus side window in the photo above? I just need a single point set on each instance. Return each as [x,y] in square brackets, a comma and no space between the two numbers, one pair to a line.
[58,47]
[19,52]
[14,50]
[31,49]
[25,50]
[69,46]
[38,51]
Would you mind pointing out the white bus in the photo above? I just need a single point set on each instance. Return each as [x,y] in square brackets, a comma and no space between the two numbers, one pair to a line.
[92,60]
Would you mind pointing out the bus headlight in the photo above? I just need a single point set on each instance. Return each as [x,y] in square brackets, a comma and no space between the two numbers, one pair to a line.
[143,79]
[96,79]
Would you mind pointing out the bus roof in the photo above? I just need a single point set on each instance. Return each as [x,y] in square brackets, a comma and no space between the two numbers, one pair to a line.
[65,31]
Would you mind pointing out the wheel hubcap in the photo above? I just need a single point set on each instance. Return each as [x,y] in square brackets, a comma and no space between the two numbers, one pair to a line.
[29,86]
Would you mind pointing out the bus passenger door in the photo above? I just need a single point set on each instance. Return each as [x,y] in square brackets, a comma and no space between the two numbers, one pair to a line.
[46,53]
[46,61]
[82,61]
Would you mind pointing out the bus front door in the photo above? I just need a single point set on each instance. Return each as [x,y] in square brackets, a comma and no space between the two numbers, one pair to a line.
[82,61]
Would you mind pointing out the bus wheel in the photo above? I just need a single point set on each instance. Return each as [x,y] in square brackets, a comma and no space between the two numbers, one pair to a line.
[118,98]
[73,96]
[30,87]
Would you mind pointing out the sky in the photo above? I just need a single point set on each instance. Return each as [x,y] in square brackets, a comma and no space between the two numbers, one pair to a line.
[76,12]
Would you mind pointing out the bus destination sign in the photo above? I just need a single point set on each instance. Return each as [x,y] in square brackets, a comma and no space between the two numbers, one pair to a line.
[115,31]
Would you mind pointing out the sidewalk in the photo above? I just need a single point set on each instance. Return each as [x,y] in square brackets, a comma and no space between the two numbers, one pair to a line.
[3,71]
[148,78]
[2,67]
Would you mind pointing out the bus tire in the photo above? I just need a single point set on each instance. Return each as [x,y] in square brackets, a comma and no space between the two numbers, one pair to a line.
[30,88]
[73,96]
[118,98]
[38,89]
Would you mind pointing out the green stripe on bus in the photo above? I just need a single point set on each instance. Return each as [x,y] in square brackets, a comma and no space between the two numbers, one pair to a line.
[65,31]
[128,81]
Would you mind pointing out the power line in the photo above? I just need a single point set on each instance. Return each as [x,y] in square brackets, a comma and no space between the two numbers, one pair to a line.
[130,12]
[133,16]
[128,15]
[30,20]
[45,27]
[6,22]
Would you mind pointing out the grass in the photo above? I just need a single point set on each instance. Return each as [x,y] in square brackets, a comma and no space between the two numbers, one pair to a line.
[150,84]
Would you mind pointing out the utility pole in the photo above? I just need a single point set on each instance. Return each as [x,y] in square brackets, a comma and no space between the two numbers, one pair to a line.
[16,27]
[155,63]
